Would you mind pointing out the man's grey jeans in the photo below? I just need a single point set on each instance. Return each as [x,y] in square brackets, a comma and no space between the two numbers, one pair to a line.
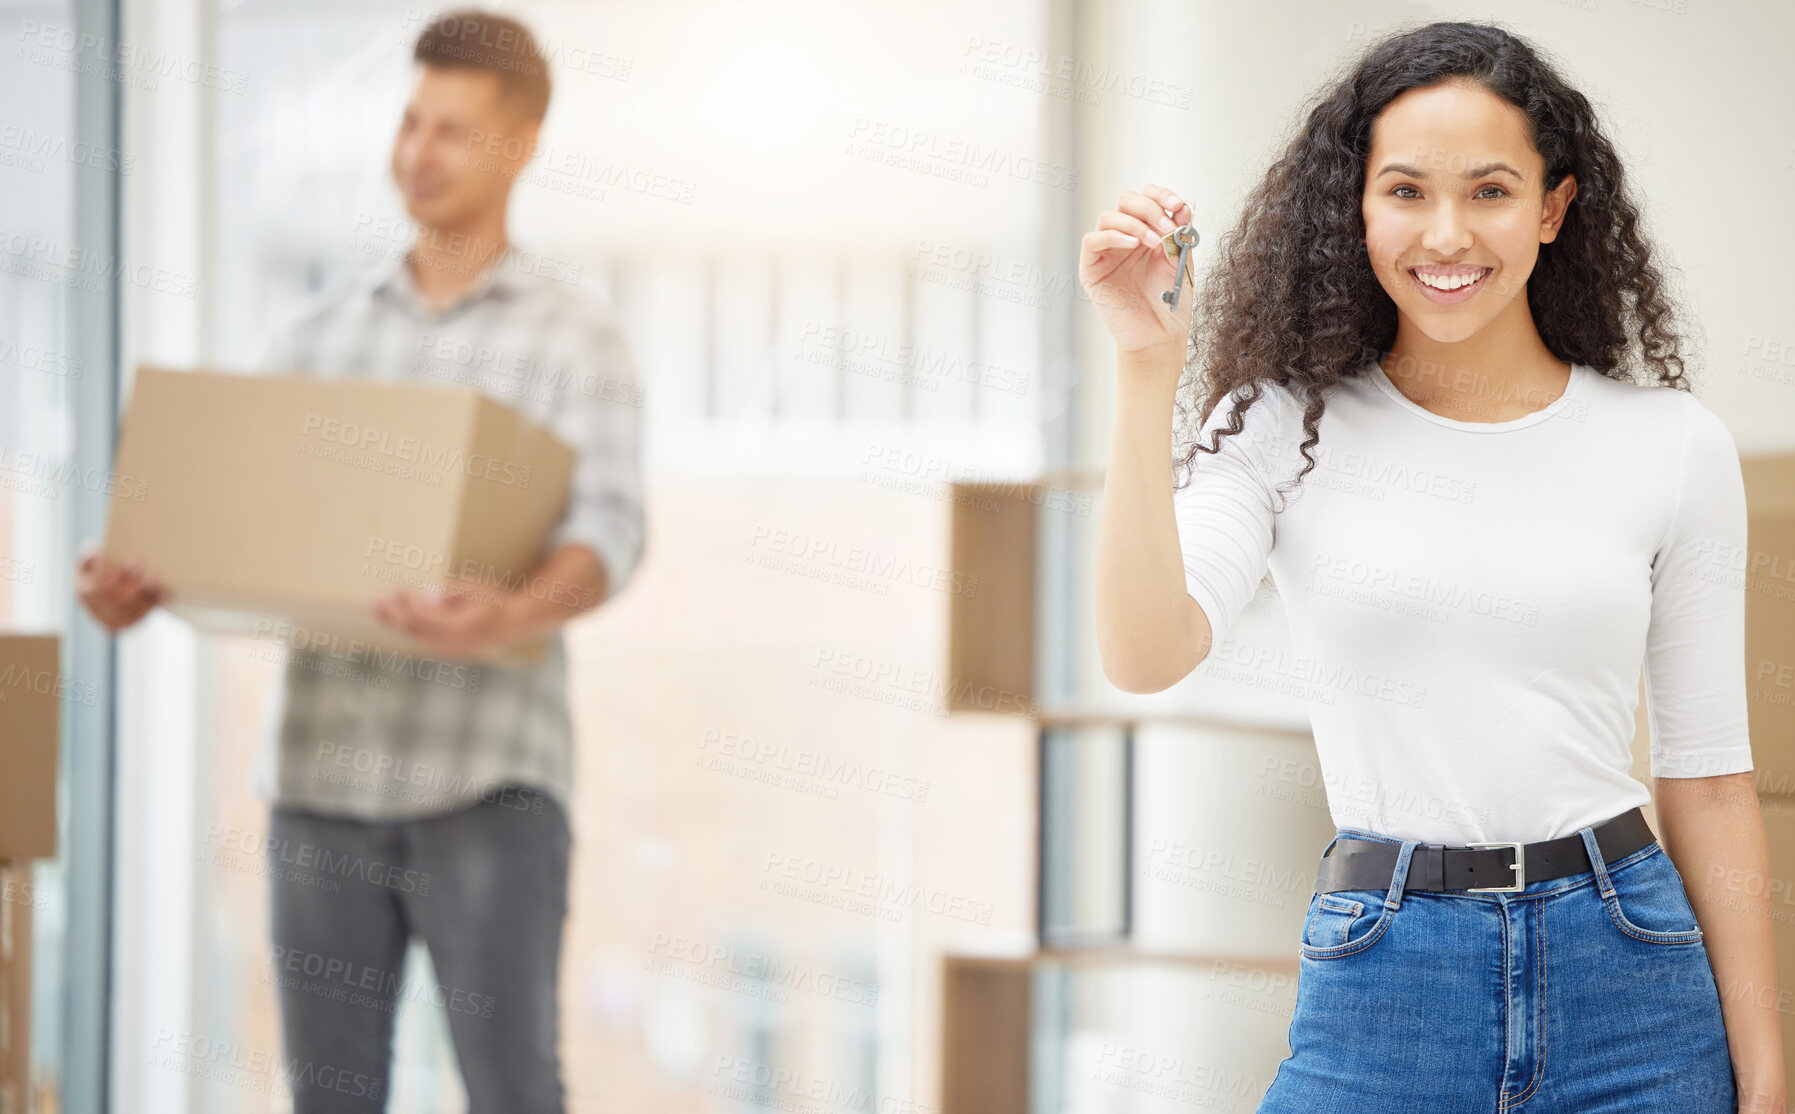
[485,887]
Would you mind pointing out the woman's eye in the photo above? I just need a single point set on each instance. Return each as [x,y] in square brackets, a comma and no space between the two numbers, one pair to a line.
[1397,191]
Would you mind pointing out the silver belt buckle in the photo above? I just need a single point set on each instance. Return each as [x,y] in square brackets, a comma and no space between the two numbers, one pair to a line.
[1519,866]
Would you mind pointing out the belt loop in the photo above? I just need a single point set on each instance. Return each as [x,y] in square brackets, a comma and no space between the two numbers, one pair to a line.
[1393,899]
[1433,866]
[1595,860]
[1321,868]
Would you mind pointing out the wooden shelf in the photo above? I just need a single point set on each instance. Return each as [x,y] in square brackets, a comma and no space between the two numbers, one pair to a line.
[988,1016]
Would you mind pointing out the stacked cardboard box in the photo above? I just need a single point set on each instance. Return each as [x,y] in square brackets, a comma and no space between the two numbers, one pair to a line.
[1768,566]
[1779,825]
[282,507]
[32,690]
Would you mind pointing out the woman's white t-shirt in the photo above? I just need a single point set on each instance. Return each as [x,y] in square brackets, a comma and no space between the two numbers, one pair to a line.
[1470,603]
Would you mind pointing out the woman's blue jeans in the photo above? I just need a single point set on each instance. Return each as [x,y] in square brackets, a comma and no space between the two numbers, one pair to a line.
[1586,994]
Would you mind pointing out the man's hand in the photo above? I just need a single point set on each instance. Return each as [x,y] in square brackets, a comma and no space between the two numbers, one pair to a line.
[116,595]
[462,620]
[455,623]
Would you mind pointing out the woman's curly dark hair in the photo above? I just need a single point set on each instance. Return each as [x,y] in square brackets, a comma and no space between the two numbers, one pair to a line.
[1292,297]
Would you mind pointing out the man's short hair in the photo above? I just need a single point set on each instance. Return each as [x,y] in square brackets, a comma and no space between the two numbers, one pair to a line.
[476,40]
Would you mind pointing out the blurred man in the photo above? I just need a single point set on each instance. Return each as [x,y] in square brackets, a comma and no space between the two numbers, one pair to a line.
[429,798]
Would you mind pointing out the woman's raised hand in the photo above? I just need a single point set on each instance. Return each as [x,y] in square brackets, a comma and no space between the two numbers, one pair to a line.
[1123,267]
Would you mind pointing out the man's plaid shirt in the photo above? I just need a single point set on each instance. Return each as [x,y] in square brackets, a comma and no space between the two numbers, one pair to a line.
[402,735]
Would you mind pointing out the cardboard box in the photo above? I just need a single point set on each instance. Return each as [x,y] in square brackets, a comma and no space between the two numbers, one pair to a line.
[1779,826]
[17,896]
[1769,569]
[31,694]
[991,629]
[282,507]
[987,1018]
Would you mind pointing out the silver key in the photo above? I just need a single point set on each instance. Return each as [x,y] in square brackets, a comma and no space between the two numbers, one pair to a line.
[1177,244]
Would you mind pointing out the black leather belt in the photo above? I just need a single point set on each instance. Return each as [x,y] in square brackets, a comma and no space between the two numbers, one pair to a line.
[1368,864]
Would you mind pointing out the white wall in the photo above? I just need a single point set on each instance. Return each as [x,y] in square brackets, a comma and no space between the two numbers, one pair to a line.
[1698,103]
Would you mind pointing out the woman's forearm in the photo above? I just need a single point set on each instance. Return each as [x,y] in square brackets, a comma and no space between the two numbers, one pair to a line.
[1713,830]
[1150,633]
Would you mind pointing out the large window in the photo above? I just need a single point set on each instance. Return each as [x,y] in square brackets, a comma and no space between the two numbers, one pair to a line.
[61,275]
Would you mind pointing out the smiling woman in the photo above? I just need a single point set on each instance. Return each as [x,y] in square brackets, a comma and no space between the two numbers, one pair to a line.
[1478,240]
[1446,262]
[1454,248]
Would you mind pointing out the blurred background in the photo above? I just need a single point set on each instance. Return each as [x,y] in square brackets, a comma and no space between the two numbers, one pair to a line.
[842,239]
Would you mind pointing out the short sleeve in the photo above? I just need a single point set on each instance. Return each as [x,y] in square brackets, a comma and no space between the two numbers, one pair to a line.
[1224,513]
[601,418]
[1695,644]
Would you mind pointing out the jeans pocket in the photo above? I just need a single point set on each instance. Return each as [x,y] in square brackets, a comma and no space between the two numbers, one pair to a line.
[1342,923]
[1649,902]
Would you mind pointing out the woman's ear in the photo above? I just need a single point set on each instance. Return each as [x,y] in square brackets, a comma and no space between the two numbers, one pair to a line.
[1558,204]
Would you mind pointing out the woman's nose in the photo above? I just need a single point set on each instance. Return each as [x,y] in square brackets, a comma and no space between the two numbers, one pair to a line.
[1447,230]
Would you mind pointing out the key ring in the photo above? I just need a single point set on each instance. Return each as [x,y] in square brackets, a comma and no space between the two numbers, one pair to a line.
[1177,244]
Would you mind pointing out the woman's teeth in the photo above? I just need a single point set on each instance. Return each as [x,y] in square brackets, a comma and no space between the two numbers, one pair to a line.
[1449,282]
